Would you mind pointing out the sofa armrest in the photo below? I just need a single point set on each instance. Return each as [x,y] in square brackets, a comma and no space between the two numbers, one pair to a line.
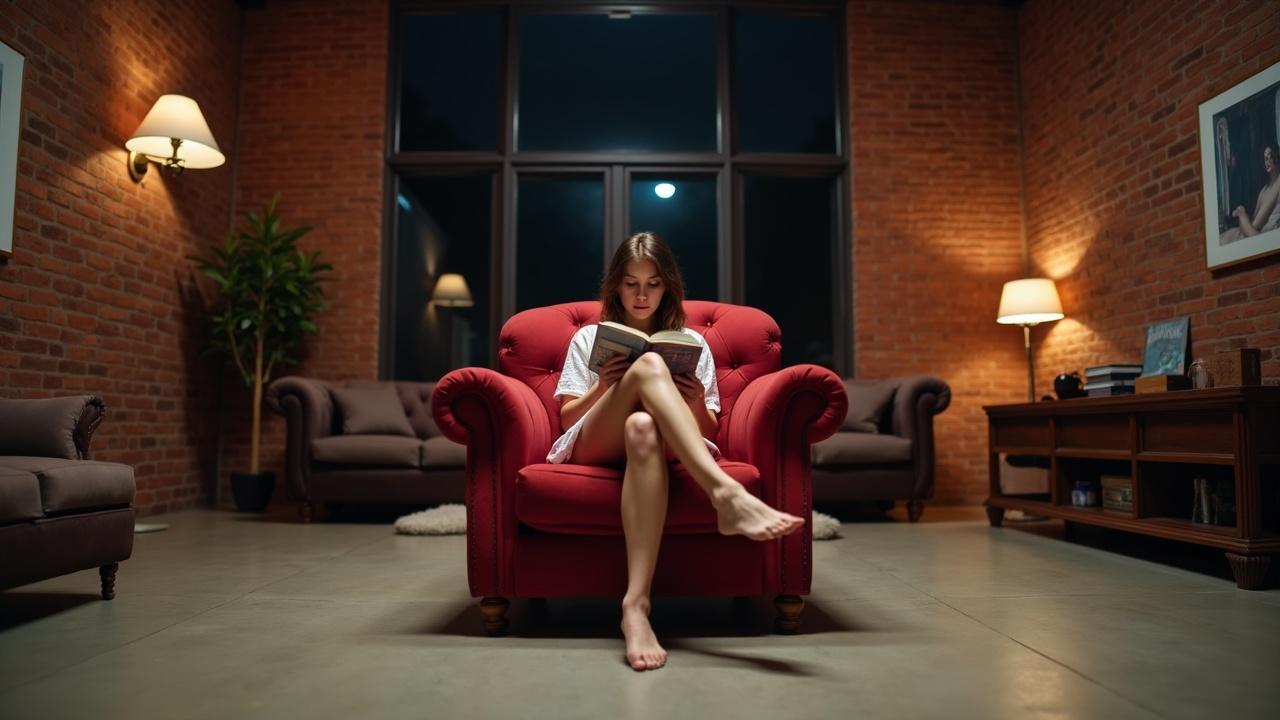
[50,427]
[308,411]
[505,426]
[917,400]
[772,425]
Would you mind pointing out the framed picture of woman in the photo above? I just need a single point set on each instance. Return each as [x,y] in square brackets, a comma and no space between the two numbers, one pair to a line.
[1240,168]
[10,119]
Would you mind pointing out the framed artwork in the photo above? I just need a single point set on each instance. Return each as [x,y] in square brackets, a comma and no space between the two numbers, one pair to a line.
[1240,169]
[1166,349]
[10,119]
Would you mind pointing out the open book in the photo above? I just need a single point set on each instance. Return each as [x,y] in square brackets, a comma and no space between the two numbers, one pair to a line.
[681,351]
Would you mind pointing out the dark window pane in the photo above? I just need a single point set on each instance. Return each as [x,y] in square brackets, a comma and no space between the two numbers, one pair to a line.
[789,245]
[784,83]
[559,240]
[449,82]
[442,227]
[644,84]
[686,219]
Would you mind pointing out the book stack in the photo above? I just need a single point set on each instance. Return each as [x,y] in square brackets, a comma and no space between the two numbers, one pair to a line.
[1113,379]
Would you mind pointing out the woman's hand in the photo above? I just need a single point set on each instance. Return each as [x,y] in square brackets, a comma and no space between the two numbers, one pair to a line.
[1240,212]
[690,388]
[612,371]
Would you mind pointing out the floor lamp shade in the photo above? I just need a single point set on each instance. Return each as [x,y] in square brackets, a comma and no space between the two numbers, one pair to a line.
[1028,302]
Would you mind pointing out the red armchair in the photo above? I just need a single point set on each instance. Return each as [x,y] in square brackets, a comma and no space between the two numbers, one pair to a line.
[540,530]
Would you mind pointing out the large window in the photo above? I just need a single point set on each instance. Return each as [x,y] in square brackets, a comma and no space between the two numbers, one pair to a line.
[530,139]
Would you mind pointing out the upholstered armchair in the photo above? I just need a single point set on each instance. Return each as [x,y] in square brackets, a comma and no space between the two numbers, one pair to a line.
[540,530]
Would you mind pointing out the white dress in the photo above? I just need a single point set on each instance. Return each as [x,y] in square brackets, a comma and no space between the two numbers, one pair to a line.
[576,380]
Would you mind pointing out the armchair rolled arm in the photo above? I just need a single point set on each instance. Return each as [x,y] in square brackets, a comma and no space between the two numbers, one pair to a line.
[308,412]
[772,425]
[917,399]
[50,427]
[505,426]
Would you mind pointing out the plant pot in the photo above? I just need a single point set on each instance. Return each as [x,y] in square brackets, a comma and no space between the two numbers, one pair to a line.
[252,492]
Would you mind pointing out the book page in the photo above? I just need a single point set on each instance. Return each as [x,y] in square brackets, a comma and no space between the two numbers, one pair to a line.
[611,341]
[680,357]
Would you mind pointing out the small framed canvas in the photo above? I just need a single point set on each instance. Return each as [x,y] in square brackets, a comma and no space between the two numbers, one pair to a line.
[1166,348]
[1240,170]
[10,119]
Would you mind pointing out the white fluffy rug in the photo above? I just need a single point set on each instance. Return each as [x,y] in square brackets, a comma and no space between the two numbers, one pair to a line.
[452,520]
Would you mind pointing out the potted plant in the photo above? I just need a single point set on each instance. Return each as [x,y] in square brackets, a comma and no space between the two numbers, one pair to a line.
[268,292]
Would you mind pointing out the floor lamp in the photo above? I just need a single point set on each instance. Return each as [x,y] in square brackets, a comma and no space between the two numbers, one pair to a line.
[1029,302]
[451,292]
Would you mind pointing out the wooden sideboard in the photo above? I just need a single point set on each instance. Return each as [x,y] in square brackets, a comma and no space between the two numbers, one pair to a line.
[1162,441]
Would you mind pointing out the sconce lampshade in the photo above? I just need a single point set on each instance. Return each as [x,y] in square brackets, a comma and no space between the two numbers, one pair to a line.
[1029,301]
[176,119]
[452,291]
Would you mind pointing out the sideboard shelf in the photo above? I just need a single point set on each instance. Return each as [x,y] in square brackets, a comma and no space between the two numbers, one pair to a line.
[1160,441]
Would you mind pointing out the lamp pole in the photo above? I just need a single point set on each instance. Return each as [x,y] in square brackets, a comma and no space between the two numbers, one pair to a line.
[1031,368]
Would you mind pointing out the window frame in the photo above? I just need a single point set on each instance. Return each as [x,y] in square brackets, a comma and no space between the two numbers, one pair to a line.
[507,164]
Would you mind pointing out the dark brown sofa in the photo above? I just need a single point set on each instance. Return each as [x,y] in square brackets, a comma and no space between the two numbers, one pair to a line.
[884,451]
[60,512]
[326,464]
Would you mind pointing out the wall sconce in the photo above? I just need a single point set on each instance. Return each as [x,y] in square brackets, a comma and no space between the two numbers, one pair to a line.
[452,291]
[175,135]
[1029,302]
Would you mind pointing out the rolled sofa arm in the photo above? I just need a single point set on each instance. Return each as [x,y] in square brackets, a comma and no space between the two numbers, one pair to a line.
[771,426]
[917,399]
[50,427]
[308,412]
[505,426]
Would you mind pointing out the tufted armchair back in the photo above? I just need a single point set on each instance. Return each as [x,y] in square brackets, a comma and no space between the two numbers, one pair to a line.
[745,343]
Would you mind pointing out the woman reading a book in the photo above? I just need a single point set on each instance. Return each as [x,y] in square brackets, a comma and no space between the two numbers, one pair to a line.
[638,413]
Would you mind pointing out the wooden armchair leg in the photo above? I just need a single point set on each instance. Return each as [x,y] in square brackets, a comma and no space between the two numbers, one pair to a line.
[495,615]
[915,508]
[789,609]
[108,575]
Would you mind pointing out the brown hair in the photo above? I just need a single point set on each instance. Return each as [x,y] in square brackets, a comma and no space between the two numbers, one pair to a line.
[645,246]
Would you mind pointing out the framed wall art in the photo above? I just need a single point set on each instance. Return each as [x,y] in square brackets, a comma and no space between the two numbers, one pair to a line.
[1240,169]
[10,119]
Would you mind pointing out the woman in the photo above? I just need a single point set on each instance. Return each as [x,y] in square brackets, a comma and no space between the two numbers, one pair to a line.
[1266,213]
[638,413]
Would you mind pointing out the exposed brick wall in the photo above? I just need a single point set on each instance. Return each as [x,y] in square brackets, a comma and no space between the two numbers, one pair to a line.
[1111,93]
[312,119]
[96,298]
[936,216]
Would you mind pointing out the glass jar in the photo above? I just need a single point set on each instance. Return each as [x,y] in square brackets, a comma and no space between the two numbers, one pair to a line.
[1199,372]
[1084,494]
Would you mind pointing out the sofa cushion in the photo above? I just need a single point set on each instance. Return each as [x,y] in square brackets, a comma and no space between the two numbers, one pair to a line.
[40,428]
[857,448]
[867,402]
[67,485]
[386,450]
[441,452]
[371,411]
[587,500]
[19,495]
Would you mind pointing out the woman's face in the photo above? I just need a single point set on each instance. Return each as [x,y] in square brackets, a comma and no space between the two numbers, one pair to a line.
[641,290]
[1269,160]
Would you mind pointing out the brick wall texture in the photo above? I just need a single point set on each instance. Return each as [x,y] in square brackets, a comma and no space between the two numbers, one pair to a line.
[949,102]
[936,212]
[1111,94]
[97,297]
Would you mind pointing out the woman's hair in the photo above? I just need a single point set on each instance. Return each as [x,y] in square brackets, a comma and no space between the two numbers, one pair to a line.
[645,246]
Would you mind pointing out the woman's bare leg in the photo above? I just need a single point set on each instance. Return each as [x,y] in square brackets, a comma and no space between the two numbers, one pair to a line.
[644,512]
[648,383]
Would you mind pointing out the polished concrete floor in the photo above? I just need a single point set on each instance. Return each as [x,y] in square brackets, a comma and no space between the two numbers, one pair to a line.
[232,616]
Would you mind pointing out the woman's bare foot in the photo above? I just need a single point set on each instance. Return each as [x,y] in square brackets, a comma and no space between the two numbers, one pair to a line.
[741,513]
[643,650]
